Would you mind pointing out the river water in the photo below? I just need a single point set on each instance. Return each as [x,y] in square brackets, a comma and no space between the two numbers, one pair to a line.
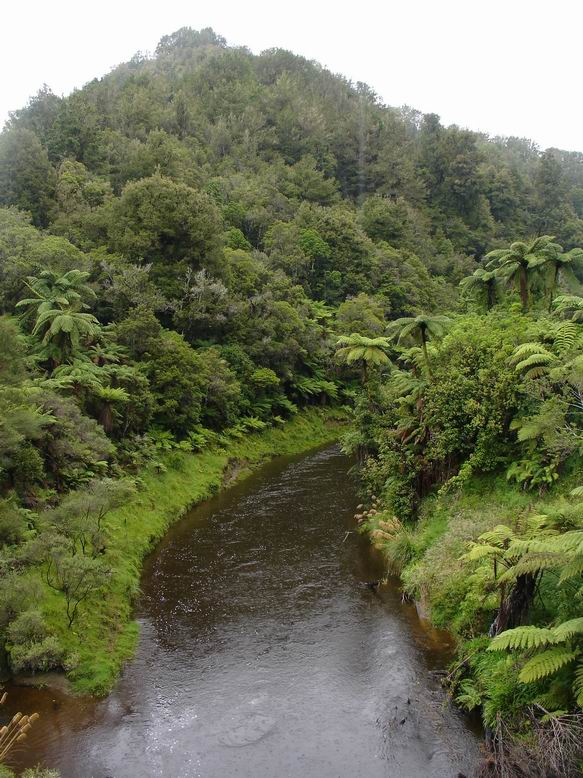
[263,654]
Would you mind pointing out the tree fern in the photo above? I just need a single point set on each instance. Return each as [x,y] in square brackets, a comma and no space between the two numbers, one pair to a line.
[571,305]
[532,359]
[546,663]
[404,383]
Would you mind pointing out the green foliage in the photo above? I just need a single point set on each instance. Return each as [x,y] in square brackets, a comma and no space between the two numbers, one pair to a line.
[357,348]
[213,242]
[523,637]
[546,663]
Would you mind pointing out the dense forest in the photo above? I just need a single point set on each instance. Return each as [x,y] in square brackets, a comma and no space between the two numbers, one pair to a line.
[205,241]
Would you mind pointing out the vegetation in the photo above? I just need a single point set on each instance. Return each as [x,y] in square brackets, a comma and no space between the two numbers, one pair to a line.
[474,455]
[204,242]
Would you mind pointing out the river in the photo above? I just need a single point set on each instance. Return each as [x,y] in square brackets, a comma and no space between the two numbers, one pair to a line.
[263,654]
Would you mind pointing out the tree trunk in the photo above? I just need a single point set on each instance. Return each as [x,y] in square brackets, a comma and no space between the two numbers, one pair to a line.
[523,281]
[514,607]
[553,287]
[106,418]
[425,354]
[491,290]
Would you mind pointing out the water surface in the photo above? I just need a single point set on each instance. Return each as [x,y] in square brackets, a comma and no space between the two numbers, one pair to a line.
[263,655]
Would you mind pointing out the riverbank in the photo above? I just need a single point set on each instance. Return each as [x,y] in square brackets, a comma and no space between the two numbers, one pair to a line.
[104,636]
[452,562]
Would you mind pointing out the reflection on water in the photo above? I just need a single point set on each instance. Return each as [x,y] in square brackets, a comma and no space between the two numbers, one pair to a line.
[263,655]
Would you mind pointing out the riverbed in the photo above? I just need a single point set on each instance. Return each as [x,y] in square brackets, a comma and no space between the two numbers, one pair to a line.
[264,655]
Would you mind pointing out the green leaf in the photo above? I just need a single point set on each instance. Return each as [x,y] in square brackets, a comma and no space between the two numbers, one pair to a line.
[523,637]
[569,628]
[545,664]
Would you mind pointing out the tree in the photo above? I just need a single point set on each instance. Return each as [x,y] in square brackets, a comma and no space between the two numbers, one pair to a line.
[51,290]
[361,314]
[79,517]
[518,262]
[60,322]
[168,224]
[420,329]
[77,577]
[482,283]
[27,178]
[560,264]
[369,352]
[550,201]
[175,373]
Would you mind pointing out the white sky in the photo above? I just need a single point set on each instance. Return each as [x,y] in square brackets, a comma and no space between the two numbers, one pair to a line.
[508,67]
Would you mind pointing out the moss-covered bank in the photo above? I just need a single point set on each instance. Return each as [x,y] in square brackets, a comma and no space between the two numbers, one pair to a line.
[104,635]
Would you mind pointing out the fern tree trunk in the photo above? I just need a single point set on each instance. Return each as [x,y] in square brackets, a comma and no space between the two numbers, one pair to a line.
[514,607]
[425,353]
[523,285]
[491,294]
[554,283]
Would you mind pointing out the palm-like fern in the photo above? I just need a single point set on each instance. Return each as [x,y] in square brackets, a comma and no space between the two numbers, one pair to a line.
[548,649]
[420,330]
[559,263]
[519,262]
[482,285]
[51,290]
[61,321]
[570,305]
[367,351]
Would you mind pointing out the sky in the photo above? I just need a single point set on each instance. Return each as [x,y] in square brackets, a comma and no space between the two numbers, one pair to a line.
[505,67]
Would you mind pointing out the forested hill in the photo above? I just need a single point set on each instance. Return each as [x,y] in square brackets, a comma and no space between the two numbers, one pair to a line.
[272,146]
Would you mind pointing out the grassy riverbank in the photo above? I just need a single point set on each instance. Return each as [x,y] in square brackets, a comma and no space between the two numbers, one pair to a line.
[104,635]
[456,591]
[453,561]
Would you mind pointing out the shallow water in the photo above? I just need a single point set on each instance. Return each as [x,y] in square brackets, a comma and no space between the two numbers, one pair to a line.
[263,655]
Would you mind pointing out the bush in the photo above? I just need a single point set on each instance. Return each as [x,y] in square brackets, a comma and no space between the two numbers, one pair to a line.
[36,657]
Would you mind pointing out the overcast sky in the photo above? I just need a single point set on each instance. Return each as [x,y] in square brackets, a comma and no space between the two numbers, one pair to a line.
[506,67]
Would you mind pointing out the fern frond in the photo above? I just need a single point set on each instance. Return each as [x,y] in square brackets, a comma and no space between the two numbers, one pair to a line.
[567,543]
[480,551]
[569,628]
[522,638]
[535,360]
[565,336]
[578,685]
[498,536]
[531,564]
[526,349]
[539,545]
[529,431]
[546,663]
[571,569]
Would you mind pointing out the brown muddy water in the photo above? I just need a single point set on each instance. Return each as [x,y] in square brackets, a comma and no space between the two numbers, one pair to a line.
[263,655]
